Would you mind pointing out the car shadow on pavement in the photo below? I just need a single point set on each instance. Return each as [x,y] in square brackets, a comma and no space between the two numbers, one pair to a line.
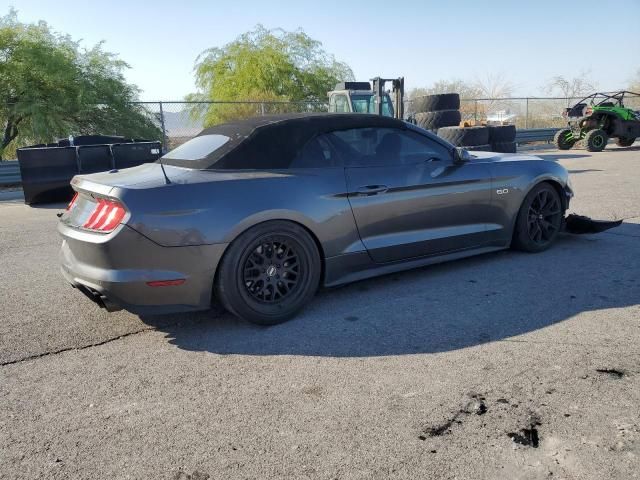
[439,308]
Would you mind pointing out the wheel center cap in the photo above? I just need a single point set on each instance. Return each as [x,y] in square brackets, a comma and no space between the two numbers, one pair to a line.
[540,217]
[271,270]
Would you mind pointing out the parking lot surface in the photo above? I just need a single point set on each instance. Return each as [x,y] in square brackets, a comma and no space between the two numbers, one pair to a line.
[506,365]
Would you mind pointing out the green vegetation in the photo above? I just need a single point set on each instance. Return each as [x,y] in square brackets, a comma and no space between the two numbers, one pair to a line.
[50,87]
[264,66]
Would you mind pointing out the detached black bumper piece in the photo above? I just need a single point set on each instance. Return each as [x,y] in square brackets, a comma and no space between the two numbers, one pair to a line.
[579,224]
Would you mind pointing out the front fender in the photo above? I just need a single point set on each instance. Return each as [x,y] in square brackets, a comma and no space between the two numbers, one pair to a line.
[519,177]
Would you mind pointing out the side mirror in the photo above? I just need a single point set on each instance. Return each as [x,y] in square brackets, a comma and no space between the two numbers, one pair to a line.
[460,156]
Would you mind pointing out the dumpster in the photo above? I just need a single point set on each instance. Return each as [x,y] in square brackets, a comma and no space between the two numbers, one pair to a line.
[47,170]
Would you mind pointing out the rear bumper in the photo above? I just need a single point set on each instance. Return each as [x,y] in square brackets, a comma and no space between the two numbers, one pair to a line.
[113,271]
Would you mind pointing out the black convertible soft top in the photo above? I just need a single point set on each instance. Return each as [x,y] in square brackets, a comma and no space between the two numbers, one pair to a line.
[273,141]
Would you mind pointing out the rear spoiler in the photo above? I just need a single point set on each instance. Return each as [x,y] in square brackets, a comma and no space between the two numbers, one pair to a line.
[80,184]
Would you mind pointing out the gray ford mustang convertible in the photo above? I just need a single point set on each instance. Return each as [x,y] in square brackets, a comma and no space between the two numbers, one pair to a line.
[260,213]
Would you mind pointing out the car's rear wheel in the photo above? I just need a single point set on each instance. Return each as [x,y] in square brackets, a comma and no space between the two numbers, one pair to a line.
[625,141]
[539,219]
[269,273]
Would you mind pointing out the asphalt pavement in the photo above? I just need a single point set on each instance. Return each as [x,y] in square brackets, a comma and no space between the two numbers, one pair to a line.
[502,366]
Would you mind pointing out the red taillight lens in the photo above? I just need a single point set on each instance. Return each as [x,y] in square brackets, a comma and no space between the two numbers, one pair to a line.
[72,202]
[106,216]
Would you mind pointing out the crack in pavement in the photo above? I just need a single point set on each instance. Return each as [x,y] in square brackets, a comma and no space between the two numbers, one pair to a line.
[147,329]
[68,349]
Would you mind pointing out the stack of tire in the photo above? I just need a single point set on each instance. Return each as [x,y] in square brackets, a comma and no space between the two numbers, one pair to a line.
[441,114]
[492,138]
[438,111]
[502,138]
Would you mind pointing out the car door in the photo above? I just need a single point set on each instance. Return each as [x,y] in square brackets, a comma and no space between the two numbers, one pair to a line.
[408,197]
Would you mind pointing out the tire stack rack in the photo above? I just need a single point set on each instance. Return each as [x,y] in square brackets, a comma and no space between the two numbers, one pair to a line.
[441,115]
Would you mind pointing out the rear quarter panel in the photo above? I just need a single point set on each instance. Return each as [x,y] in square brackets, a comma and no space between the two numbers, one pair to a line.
[215,207]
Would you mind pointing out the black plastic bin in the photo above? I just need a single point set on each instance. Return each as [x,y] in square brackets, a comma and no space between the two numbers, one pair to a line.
[47,170]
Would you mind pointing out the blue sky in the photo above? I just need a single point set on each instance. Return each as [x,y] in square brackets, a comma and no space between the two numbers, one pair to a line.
[527,41]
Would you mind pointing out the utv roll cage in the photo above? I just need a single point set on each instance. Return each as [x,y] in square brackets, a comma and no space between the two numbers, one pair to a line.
[615,98]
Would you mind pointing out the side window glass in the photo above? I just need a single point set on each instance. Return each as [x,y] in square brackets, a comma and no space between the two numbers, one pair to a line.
[317,153]
[418,148]
[386,146]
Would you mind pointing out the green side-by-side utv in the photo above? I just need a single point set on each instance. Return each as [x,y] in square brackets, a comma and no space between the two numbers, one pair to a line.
[598,117]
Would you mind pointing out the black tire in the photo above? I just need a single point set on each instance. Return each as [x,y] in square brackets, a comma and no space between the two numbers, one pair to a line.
[263,295]
[435,103]
[465,137]
[539,219]
[502,133]
[504,147]
[625,141]
[479,148]
[563,139]
[596,140]
[436,120]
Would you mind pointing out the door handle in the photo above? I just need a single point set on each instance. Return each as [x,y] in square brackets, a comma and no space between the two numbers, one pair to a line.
[372,189]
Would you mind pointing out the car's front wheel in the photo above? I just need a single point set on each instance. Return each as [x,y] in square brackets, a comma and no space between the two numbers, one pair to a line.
[539,219]
[269,273]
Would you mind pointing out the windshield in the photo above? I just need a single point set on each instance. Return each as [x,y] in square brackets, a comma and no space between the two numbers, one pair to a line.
[197,148]
[367,104]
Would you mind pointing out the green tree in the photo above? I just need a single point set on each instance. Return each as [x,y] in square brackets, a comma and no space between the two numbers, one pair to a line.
[50,87]
[264,65]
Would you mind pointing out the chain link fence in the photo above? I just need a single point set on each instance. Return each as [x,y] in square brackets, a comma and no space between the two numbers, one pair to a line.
[181,121]
[523,112]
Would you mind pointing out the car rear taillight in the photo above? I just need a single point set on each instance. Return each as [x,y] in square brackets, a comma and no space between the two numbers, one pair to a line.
[106,216]
[72,202]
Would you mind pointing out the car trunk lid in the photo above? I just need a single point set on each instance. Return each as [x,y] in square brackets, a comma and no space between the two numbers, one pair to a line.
[100,201]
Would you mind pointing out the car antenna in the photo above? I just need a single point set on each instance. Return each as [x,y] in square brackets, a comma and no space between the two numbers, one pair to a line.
[166,179]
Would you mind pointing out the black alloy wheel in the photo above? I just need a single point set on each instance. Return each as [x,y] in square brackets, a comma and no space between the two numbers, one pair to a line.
[272,270]
[269,272]
[539,220]
[543,217]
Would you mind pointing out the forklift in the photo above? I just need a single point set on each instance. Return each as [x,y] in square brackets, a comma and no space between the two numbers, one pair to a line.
[365,97]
